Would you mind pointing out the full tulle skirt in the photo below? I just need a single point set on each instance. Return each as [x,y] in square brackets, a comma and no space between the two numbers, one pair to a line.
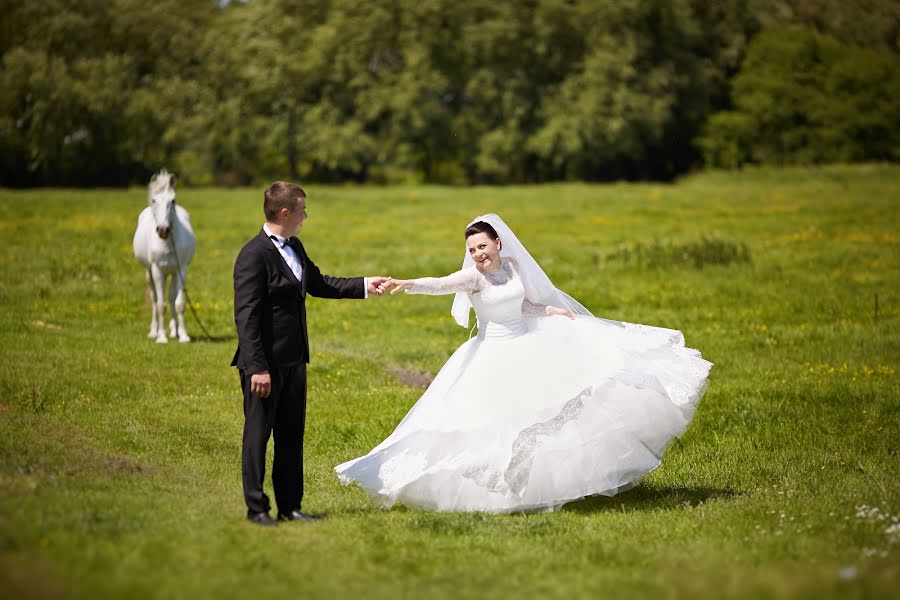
[530,420]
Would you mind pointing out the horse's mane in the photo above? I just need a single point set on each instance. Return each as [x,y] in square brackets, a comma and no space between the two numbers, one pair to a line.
[160,181]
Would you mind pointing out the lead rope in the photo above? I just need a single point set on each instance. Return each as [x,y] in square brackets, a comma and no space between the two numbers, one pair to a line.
[184,288]
[184,285]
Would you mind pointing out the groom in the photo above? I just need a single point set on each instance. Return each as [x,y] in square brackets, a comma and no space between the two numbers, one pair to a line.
[272,276]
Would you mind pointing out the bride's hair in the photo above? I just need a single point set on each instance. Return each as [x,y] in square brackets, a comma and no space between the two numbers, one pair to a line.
[482,227]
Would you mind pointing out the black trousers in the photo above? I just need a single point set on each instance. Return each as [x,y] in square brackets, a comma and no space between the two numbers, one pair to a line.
[283,414]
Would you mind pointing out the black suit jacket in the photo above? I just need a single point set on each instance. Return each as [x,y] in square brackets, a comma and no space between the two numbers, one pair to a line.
[270,308]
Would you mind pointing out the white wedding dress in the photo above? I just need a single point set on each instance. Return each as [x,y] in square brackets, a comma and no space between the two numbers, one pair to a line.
[535,411]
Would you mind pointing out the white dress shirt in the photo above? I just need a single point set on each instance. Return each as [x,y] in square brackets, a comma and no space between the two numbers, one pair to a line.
[287,253]
[293,261]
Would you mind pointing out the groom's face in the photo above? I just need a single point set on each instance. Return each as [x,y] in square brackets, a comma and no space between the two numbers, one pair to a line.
[294,220]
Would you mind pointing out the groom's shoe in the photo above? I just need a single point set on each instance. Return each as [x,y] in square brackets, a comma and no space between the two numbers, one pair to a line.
[296,515]
[262,518]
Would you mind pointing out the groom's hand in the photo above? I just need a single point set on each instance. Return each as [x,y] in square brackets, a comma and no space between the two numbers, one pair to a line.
[378,285]
[261,384]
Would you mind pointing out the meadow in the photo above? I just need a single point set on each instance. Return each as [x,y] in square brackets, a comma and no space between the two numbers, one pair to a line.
[120,458]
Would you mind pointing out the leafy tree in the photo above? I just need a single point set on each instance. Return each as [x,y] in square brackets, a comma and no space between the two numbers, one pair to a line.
[95,92]
[617,114]
[873,24]
[804,98]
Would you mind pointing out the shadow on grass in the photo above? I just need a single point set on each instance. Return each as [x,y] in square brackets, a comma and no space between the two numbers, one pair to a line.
[213,339]
[639,498]
[647,498]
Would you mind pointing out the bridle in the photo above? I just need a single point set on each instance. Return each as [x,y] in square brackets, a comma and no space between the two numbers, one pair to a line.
[172,219]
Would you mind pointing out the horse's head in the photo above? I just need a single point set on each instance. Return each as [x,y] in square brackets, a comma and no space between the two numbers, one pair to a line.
[161,192]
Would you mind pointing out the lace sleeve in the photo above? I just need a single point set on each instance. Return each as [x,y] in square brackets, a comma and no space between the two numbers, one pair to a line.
[530,308]
[461,281]
[533,309]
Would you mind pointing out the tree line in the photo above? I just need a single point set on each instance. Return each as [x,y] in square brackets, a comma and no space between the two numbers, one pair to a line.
[104,92]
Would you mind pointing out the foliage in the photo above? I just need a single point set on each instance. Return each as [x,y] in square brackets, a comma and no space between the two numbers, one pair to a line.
[120,458]
[97,92]
[805,98]
[106,92]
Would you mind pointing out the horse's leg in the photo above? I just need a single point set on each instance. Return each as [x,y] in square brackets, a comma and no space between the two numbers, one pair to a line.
[153,321]
[159,306]
[173,291]
[180,278]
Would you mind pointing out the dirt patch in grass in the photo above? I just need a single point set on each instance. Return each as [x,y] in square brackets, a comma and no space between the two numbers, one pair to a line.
[27,575]
[414,379]
[47,450]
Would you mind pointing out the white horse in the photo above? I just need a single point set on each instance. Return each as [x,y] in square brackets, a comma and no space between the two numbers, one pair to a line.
[164,243]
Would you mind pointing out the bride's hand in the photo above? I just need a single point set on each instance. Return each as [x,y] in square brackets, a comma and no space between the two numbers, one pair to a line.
[399,284]
[552,310]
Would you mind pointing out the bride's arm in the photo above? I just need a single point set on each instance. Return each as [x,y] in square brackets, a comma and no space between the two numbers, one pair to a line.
[534,309]
[530,308]
[465,280]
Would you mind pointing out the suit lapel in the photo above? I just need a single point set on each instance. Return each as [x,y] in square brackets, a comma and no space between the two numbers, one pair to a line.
[301,256]
[279,260]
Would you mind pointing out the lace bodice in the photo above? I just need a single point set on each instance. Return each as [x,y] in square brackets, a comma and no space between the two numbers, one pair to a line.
[498,297]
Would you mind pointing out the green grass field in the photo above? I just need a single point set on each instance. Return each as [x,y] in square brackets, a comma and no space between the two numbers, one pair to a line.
[120,472]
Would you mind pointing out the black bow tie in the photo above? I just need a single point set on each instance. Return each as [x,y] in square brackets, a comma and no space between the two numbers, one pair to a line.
[292,241]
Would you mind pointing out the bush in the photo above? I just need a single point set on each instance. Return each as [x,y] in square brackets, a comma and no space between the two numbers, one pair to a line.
[698,254]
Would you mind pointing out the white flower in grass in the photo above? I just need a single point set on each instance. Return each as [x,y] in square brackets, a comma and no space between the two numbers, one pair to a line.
[893,533]
[870,513]
[848,573]
[874,552]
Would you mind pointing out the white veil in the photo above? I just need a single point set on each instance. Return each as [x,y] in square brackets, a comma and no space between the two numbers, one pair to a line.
[538,287]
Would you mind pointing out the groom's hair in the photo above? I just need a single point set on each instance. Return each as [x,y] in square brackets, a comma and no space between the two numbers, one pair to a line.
[281,194]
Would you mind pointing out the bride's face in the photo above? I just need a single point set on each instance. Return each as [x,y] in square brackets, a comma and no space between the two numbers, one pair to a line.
[484,251]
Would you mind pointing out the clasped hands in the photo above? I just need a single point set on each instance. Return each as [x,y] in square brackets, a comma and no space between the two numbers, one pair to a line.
[379,285]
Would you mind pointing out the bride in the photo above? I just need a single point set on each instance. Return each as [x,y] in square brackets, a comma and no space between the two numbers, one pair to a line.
[546,405]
